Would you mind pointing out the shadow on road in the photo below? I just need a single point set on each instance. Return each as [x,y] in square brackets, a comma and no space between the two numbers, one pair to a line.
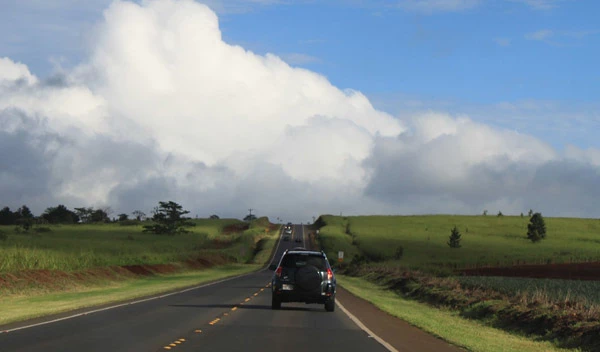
[248,306]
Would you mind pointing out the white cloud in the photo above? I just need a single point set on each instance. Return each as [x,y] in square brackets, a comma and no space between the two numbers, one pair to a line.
[13,71]
[430,6]
[163,109]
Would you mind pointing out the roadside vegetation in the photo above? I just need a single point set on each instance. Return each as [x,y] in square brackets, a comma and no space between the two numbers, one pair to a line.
[415,258]
[55,263]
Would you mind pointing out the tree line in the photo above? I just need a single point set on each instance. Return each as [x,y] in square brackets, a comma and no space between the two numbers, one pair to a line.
[60,214]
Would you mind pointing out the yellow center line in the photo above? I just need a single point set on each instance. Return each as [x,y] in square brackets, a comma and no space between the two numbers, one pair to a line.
[198,331]
[167,348]
[234,308]
[182,340]
[177,342]
[247,299]
[256,294]
[172,344]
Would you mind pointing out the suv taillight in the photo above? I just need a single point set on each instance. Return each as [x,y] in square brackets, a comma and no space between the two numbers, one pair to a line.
[329,274]
[278,271]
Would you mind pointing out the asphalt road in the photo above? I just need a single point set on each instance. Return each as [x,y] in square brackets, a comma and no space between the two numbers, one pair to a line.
[233,315]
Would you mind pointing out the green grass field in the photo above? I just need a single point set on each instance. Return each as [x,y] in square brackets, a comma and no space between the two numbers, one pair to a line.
[71,248]
[486,240]
[77,247]
[463,303]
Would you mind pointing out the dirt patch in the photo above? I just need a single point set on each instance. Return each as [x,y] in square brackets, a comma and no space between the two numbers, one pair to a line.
[567,271]
[56,280]
[234,228]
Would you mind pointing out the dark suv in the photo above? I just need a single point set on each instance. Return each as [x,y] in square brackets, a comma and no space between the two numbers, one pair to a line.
[303,276]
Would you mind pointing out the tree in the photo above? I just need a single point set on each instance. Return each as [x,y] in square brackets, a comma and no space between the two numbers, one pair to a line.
[85,214]
[485,212]
[139,215]
[25,213]
[99,215]
[123,217]
[60,215]
[168,219]
[500,214]
[7,217]
[250,217]
[454,239]
[536,229]
[214,217]
[399,253]
[530,214]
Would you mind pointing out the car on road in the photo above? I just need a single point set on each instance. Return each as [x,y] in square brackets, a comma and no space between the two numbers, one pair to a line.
[303,276]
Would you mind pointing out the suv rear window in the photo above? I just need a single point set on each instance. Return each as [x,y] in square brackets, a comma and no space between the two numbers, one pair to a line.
[300,260]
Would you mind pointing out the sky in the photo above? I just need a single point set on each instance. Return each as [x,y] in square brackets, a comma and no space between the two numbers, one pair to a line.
[300,108]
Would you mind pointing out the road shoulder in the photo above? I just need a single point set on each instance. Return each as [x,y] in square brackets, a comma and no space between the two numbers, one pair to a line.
[398,333]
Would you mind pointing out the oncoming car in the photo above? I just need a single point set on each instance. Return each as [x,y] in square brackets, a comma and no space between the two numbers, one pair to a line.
[287,232]
[303,276]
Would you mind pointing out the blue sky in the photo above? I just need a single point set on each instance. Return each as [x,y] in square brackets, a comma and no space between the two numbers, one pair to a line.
[527,65]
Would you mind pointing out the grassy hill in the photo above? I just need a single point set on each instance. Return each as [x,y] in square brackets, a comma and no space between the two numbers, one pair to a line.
[79,246]
[486,240]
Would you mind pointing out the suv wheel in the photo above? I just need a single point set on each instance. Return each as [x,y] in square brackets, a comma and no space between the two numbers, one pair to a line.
[275,302]
[330,305]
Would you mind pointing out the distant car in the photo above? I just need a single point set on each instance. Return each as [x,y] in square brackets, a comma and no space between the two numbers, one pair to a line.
[303,276]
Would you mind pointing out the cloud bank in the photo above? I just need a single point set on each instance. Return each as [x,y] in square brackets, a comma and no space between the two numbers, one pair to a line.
[164,109]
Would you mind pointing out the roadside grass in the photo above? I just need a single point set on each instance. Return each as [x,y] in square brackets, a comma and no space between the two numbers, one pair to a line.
[73,248]
[22,308]
[264,246]
[486,240]
[564,312]
[77,247]
[446,324]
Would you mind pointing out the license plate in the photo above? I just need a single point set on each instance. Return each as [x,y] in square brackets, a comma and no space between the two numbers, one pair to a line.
[287,287]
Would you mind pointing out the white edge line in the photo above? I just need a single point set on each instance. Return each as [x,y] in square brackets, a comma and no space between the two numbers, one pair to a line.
[142,300]
[366,329]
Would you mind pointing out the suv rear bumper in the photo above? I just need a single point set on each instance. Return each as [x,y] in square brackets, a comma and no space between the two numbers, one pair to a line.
[291,296]
[321,296]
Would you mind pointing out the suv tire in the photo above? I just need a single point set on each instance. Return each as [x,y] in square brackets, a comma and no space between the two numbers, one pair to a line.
[308,278]
[275,302]
[330,305]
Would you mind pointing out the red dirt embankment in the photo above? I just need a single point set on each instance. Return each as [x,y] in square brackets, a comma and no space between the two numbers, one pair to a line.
[566,271]
[56,280]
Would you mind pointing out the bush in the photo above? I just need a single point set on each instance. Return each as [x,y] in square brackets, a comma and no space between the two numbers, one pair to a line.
[42,229]
[536,229]
[454,239]
[3,236]
[399,253]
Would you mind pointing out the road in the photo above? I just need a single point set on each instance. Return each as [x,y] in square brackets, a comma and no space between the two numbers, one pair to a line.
[232,315]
